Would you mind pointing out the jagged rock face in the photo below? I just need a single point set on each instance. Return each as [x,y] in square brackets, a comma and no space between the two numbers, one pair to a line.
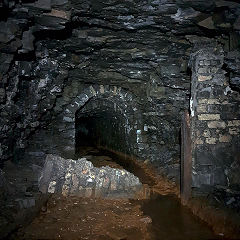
[80,177]
[58,56]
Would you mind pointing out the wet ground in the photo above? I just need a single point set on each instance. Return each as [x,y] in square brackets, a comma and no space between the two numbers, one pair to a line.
[160,217]
[156,216]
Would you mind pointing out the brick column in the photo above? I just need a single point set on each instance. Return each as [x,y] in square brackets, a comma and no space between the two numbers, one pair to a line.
[214,123]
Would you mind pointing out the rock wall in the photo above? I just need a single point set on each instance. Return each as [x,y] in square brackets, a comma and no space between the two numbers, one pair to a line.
[57,53]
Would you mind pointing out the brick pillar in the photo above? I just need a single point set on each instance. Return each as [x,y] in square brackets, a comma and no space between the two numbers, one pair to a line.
[214,122]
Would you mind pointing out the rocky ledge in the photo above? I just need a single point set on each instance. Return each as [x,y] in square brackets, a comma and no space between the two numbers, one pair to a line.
[81,178]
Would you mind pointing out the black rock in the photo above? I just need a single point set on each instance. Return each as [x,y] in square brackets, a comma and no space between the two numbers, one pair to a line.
[27,42]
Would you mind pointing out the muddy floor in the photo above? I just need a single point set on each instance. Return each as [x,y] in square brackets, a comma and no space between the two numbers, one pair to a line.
[160,217]
[156,214]
[78,218]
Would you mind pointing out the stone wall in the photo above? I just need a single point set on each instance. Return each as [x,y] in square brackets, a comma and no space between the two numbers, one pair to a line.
[215,126]
[81,178]
[51,52]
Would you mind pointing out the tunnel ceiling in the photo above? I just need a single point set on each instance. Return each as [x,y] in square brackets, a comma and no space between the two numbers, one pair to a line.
[54,54]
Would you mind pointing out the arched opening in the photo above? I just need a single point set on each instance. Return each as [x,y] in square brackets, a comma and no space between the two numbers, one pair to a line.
[100,123]
[105,135]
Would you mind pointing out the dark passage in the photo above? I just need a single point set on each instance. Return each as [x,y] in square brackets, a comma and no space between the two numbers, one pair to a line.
[101,123]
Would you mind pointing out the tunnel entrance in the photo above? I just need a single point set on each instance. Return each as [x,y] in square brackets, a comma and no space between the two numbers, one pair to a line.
[103,137]
[101,123]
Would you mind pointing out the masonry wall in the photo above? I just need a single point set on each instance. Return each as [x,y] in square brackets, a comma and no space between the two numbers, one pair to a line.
[52,51]
[215,116]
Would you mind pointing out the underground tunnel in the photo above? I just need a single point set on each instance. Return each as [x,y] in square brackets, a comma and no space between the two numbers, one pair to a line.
[101,123]
[119,119]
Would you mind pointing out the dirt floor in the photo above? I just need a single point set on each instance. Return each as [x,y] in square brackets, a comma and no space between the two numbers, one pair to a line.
[78,218]
[155,213]
[72,218]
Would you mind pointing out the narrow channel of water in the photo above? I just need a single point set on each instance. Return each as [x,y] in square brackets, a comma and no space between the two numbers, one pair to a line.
[170,219]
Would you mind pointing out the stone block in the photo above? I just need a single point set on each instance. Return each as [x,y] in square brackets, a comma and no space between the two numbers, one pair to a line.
[52,187]
[40,4]
[83,98]
[27,42]
[216,92]
[230,113]
[211,140]
[5,62]
[8,30]
[203,94]
[202,78]
[214,108]
[203,70]
[204,157]
[214,70]
[225,138]
[234,131]
[213,101]
[68,119]
[201,108]
[26,202]
[234,123]
[202,101]
[200,179]
[206,178]
[51,21]
[207,23]
[207,62]
[199,141]
[208,117]
[215,62]
[58,14]
[58,2]
[216,124]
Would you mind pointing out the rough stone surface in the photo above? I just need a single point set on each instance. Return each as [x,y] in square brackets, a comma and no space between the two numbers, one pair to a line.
[215,122]
[80,177]
[59,58]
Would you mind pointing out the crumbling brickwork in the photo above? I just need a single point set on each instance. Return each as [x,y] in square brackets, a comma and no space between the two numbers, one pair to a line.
[215,125]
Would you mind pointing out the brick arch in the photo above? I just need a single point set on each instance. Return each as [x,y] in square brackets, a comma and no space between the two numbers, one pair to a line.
[100,91]
[125,100]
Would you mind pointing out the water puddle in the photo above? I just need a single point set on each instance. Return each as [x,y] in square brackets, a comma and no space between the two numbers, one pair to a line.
[158,215]
[169,219]
[172,221]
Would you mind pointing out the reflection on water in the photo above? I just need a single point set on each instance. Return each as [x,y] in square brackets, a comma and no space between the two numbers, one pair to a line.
[172,221]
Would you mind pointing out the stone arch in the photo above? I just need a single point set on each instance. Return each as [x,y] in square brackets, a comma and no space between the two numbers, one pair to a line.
[123,99]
